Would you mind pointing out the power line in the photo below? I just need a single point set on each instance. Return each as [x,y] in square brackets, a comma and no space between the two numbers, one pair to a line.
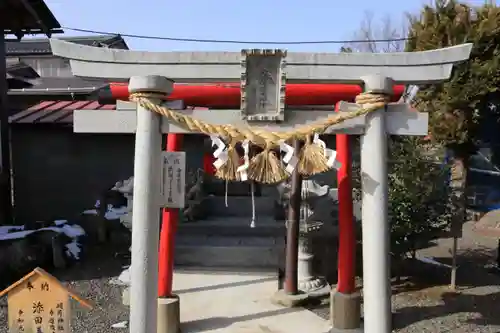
[222,41]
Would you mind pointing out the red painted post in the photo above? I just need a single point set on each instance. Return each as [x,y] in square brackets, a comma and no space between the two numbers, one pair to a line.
[170,220]
[347,235]
[208,164]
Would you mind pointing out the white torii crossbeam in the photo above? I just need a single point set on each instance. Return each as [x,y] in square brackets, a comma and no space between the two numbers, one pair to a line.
[401,120]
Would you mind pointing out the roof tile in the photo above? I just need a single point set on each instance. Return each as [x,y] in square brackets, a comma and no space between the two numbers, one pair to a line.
[55,111]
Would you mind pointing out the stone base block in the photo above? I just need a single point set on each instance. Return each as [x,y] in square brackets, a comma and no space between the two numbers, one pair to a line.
[169,315]
[288,300]
[345,310]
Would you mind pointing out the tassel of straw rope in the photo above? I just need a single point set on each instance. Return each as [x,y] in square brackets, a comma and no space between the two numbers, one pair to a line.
[229,170]
[312,159]
[266,167]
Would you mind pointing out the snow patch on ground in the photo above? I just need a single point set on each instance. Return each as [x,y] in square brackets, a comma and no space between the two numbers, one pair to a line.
[74,231]
[9,228]
[123,279]
[432,261]
[112,213]
[73,249]
[122,324]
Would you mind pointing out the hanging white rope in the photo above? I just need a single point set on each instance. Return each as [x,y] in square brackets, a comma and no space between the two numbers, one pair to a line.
[303,200]
[252,189]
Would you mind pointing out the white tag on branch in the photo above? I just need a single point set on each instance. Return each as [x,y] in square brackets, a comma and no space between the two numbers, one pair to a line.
[242,169]
[330,154]
[289,159]
[220,153]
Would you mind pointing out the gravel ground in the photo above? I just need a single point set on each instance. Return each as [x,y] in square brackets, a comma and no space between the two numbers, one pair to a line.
[425,303]
[422,303]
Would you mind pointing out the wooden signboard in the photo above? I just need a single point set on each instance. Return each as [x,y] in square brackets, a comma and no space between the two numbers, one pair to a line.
[39,303]
[173,188]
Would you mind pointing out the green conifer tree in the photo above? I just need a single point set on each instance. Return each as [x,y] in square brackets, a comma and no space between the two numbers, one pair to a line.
[457,107]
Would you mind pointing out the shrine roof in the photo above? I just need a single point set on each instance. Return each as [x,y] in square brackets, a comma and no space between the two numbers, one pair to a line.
[21,17]
[41,46]
[56,86]
[50,112]
[58,111]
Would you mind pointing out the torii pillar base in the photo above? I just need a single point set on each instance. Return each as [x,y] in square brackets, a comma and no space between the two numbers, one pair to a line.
[169,315]
[345,312]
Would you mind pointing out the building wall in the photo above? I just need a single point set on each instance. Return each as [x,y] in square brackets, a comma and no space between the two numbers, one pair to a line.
[58,174]
[48,66]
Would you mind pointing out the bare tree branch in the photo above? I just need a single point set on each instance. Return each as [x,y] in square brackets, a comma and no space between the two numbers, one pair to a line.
[369,30]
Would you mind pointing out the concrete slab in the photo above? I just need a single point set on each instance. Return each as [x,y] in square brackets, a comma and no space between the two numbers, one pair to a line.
[222,302]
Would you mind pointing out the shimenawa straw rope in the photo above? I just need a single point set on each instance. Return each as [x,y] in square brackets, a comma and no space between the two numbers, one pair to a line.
[266,167]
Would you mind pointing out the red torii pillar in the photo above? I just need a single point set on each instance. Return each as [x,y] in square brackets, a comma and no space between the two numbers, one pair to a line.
[170,220]
[228,96]
[347,237]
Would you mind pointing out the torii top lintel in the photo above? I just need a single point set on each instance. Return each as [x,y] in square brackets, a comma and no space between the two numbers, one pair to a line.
[187,67]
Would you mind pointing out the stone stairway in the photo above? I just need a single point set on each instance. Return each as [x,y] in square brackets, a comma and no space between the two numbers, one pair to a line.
[227,241]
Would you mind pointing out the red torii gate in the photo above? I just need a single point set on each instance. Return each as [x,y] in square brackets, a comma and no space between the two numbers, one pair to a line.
[228,95]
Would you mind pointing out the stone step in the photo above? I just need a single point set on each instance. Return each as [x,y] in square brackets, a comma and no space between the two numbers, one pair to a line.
[265,226]
[231,242]
[241,206]
[199,240]
[230,256]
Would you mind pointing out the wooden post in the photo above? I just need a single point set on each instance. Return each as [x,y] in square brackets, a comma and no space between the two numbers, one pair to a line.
[292,238]
[454,266]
